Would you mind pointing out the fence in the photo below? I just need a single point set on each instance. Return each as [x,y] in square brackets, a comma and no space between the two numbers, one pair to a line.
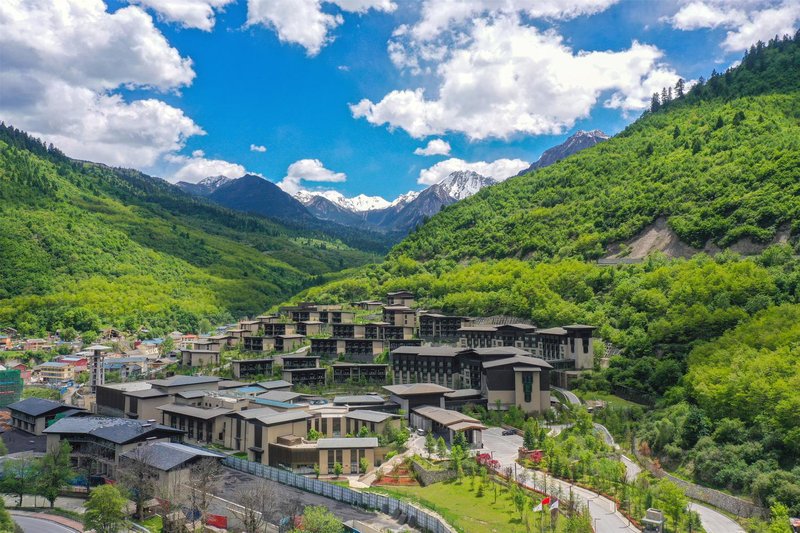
[391,506]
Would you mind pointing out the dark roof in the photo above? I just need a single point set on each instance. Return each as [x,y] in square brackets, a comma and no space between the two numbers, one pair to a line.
[146,393]
[430,351]
[518,360]
[167,455]
[397,293]
[116,430]
[37,406]
[552,331]
[176,381]
[194,412]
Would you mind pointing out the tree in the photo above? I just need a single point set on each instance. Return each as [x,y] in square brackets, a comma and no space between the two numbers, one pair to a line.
[460,440]
[6,523]
[430,444]
[167,345]
[135,474]
[655,103]
[3,448]
[204,326]
[19,477]
[779,520]
[104,510]
[363,431]
[337,469]
[54,471]
[257,503]
[363,464]
[441,448]
[204,477]
[673,501]
[680,88]
[318,519]
[529,438]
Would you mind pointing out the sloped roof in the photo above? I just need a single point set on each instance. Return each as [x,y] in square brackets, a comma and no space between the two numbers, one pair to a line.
[194,412]
[276,384]
[452,419]
[369,416]
[36,406]
[117,430]
[167,455]
[281,418]
[416,388]
[345,442]
[518,360]
[176,381]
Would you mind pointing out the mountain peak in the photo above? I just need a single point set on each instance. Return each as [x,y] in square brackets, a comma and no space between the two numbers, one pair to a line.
[576,142]
[463,184]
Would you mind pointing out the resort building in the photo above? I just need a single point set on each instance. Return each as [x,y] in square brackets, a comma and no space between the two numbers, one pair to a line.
[33,415]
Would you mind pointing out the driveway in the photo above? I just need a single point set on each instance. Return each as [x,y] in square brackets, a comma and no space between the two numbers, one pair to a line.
[31,523]
[602,510]
[714,521]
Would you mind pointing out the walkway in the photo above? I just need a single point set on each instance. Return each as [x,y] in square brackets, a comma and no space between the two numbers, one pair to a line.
[44,523]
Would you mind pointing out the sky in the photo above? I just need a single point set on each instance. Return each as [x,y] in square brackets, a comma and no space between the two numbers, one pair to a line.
[373,97]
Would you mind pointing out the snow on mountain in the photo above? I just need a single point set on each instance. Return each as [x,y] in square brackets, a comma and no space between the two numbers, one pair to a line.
[357,204]
[410,196]
[463,184]
[577,142]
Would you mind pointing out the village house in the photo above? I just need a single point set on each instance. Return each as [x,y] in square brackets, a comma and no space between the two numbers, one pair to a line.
[53,372]
[400,315]
[403,298]
[196,358]
[33,415]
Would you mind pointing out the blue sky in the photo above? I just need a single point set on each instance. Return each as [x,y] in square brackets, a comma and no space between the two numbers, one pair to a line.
[342,93]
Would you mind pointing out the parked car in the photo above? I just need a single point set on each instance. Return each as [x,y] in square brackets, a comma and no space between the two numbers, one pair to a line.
[420,431]
[509,432]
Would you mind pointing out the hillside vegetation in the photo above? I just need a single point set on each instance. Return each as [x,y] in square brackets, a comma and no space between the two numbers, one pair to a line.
[85,246]
[711,342]
[720,164]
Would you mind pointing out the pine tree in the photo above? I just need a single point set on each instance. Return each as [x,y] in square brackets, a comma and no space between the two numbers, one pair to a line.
[680,87]
[655,103]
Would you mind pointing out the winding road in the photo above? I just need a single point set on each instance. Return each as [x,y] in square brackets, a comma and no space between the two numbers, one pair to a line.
[32,524]
[713,521]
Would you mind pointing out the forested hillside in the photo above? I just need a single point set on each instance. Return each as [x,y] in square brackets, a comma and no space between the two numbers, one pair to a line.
[85,246]
[721,164]
[711,342]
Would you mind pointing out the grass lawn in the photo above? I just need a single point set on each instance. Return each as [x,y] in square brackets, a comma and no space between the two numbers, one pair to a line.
[614,401]
[462,507]
[153,524]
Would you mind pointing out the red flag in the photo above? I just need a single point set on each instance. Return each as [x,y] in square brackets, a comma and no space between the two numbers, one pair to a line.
[546,501]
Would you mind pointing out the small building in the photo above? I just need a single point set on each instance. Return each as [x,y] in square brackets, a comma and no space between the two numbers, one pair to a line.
[400,315]
[244,368]
[653,521]
[376,422]
[359,373]
[368,305]
[437,327]
[196,358]
[291,362]
[35,345]
[446,423]
[278,384]
[143,404]
[309,327]
[348,452]
[201,425]
[169,462]
[263,433]
[78,363]
[415,395]
[53,372]
[309,377]
[34,415]
[400,298]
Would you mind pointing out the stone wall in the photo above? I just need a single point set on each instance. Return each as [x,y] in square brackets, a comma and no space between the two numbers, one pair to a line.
[726,502]
[429,477]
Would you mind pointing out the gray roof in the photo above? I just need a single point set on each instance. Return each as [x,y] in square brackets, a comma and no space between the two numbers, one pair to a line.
[253,413]
[500,350]
[430,351]
[462,393]
[116,430]
[36,406]
[416,388]
[194,412]
[358,398]
[369,416]
[146,393]
[280,395]
[167,455]
[447,417]
[232,384]
[277,384]
[345,442]
[552,331]
[190,394]
[518,360]
[288,416]
[176,381]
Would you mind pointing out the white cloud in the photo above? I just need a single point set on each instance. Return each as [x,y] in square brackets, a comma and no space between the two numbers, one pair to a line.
[505,78]
[748,21]
[439,15]
[304,22]
[63,60]
[499,169]
[199,14]
[308,170]
[258,148]
[195,168]
[434,147]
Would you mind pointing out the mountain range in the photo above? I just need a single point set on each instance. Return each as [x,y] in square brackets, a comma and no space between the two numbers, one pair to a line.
[253,194]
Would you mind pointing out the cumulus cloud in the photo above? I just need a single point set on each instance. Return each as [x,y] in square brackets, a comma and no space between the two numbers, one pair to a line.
[748,22]
[434,147]
[499,169]
[195,168]
[258,148]
[59,85]
[308,170]
[304,22]
[506,78]
[199,14]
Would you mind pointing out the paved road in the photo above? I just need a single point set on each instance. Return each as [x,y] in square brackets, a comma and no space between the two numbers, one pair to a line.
[30,524]
[607,519]
[570,396]
[714,521]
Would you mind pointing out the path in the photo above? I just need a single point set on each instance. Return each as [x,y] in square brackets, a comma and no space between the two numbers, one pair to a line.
[42,523]
[606,518]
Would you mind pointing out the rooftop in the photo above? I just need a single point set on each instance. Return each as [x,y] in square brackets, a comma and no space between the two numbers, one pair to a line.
[280,395]
[146,393]
[354,442]
[518,360]
[416,388]
[194,412]
[369,416]
[167,455]
[178,381]
[36,406]
[462,393]
[282,418]
[449,418]
[277,384]
[116,430]
[358,398]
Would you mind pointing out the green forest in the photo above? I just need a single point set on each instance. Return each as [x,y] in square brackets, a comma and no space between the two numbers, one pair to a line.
[86,246]
[708,344]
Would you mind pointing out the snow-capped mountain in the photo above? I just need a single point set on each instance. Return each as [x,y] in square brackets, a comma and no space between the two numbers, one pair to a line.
[204,187]
[463,184]
[577,142]
[403,199]
[358,204]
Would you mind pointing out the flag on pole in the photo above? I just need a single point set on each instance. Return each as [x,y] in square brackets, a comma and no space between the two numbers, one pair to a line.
[554,505]
[537,508]
[546,501]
